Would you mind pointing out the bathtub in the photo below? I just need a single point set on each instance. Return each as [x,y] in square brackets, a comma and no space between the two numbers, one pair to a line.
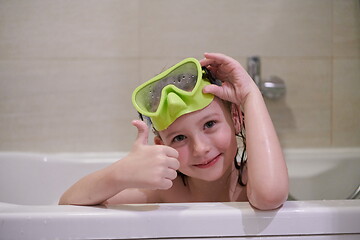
[31,184]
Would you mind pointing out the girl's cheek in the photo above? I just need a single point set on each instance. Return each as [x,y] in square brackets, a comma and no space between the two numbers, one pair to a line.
[183,153]
[221,140]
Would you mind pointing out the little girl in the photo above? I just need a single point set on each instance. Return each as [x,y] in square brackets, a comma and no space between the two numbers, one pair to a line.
[195,156]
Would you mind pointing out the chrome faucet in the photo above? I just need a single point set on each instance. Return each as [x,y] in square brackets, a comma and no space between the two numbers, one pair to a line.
[272,87]
[253,68]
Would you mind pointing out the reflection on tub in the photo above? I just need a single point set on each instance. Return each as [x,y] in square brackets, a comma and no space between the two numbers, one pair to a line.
[31,184]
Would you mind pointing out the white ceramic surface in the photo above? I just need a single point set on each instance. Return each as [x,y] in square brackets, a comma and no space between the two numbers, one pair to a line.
[330,219]
[31,184]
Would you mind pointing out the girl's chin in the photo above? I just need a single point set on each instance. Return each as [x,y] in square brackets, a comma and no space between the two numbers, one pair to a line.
[207,176]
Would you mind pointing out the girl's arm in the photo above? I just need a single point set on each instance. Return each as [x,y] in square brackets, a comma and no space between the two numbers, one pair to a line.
[267,185]
[146,167]
[96,187]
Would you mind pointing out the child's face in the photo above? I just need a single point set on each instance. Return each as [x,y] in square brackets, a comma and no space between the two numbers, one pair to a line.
[205,140]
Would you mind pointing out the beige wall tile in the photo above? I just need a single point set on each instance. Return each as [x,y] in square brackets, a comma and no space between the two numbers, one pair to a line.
[66,105]
[67,68]
[240,28]
[346,28]
[68,29]
[303,117]
[346,102]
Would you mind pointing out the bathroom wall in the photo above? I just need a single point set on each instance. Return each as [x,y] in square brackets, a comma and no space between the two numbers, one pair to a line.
[67,68]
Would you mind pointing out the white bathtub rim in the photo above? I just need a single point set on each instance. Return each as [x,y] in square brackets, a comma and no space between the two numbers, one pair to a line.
[64,222]
[199,220]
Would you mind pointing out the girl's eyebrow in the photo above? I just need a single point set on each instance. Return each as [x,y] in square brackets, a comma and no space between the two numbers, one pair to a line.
[209,116]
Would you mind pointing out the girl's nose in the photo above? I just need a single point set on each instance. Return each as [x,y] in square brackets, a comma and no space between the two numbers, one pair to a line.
[200,146]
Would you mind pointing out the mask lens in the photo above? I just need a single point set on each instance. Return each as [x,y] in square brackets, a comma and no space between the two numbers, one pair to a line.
[183,77]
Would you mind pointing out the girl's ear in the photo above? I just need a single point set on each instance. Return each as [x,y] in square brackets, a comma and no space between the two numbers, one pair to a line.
[158,140]
[235,115]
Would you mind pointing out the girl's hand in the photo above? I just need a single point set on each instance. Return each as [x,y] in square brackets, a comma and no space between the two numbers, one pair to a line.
[149,166]
[237,83]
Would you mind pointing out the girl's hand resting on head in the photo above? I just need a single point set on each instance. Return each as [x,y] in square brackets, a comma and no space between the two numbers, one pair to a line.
[236,82]
[149,166]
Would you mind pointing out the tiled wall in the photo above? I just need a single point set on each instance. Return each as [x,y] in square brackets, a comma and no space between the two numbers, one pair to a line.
[67,68]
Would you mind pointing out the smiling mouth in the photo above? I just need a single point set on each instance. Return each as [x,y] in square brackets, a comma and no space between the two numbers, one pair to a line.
[209,163]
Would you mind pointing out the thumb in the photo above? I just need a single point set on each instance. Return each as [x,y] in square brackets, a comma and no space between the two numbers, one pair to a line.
[225,92]
[143,132]
[214,89]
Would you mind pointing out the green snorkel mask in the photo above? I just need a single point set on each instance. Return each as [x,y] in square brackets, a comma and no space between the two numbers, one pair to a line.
[173,93]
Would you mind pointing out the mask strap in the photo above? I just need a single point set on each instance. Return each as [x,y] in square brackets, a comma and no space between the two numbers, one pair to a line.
[140,116]
[207,74]
[145,119]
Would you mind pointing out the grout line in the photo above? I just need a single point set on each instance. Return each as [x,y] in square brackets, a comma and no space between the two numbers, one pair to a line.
[332,78]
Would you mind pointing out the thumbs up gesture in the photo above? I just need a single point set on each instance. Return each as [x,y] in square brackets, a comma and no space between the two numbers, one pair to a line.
[150,166]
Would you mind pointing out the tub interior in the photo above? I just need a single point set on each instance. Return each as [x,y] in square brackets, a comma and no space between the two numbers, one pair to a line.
[40,179]
[31,184]
[323,174]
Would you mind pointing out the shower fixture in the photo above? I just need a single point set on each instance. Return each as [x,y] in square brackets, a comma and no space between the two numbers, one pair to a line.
[272,87]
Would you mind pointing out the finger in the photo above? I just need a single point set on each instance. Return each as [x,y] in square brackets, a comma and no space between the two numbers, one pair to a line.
[220,71]
[173,164]
[170,152]
[213,59]
[206,62]
[218,57]
[213,89]
[171,174]
[165,184]
[223,92]
[143,132]
[219,61]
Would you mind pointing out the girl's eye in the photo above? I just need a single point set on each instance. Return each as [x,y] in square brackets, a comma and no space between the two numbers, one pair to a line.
[179,138]
[209,124]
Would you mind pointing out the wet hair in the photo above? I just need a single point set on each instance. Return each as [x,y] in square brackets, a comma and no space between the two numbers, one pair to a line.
[243,158]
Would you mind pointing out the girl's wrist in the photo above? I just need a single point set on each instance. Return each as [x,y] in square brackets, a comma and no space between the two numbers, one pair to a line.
[117,173]
[252,91]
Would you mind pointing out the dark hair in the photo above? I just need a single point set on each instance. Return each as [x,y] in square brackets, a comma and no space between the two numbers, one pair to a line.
[243,159]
